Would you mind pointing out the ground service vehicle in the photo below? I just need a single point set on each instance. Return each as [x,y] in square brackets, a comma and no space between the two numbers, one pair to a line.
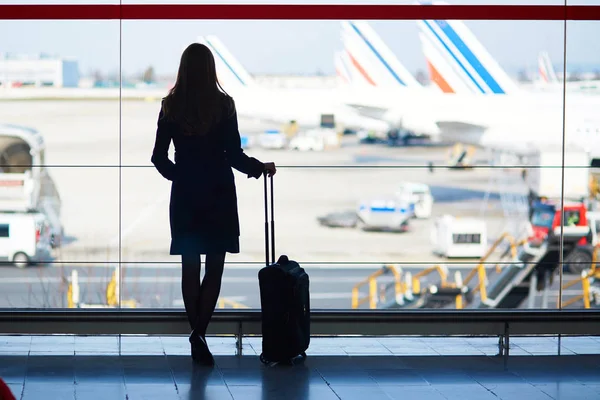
[419,195]
[459,237]
[388,213]
[272,139]
[24,238]
[546,226]
[25,183]
[543,180]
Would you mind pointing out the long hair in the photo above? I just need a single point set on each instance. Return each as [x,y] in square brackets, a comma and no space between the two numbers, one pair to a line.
[197,101]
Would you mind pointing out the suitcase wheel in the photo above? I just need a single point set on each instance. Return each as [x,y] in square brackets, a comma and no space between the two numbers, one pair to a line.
[263,359]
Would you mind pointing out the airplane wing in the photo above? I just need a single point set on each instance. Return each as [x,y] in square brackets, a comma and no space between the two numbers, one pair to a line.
[369,111]
[460,127]
[461,132]
[498,138]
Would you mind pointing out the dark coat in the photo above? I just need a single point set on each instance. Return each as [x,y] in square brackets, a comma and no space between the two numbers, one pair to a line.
[203,209]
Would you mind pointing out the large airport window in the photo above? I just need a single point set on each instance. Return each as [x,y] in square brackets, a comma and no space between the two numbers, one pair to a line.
[426,152]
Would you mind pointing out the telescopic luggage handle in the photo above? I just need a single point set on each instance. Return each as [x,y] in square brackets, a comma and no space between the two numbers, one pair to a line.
[267,222]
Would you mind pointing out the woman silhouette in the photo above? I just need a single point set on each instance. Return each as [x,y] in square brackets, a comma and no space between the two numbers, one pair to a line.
[201,120]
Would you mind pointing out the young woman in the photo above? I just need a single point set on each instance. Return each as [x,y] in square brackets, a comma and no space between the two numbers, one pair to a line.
[201,120]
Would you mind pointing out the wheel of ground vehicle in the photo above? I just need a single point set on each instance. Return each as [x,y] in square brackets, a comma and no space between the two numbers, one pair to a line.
[20,260]
[360,224]
[404,226]
[578,260]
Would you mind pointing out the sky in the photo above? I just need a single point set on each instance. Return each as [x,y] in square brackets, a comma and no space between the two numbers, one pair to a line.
[286,47]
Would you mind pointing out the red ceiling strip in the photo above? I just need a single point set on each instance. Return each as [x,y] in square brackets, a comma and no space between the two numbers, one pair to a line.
[295,12]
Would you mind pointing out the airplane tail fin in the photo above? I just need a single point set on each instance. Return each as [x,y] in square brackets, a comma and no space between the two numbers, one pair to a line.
[230,72]
[440,72]
[546,70]
[466,56]
[342,68]
[372,58]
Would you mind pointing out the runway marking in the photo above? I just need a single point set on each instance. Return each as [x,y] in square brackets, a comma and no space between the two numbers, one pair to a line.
[330,295]
[238,299]
[313,296]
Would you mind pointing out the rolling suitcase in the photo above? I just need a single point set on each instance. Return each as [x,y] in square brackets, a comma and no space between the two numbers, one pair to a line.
[285,301]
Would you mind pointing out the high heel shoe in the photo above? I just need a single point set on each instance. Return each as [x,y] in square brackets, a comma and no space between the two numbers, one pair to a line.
[200,351]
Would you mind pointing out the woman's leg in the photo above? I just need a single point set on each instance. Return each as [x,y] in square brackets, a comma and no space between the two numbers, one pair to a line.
[190,286]
[211,287]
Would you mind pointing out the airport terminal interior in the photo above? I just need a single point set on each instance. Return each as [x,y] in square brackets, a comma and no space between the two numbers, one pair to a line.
[438,170]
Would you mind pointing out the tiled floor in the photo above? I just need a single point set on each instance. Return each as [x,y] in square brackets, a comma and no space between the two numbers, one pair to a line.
[68,367]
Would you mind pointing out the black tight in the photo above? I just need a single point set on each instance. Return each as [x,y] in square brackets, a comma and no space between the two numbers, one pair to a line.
[200,299]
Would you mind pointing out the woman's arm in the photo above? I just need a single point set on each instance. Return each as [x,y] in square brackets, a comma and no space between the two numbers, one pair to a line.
[160,154]
[235,154]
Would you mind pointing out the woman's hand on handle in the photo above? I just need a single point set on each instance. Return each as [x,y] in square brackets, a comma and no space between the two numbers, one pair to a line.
[270,169]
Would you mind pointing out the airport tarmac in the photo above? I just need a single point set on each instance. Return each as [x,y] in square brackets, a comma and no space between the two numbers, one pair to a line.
[115,208]
[158,285]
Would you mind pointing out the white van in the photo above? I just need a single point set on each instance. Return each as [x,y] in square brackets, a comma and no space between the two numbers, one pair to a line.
[24,238]
[459,237]
[387,213]
[307,141]
[272,139]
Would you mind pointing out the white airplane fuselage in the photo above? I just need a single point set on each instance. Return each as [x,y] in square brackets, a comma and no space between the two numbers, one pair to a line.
[305,106]
[503,121]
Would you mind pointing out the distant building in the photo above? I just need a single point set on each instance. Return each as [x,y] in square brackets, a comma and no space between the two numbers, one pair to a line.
[41,70]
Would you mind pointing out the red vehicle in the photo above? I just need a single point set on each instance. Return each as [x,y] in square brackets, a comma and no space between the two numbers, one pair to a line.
[546,221]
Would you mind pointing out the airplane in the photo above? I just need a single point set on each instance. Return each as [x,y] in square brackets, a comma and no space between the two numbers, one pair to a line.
[547,79]
[494,112]
[342,70]
[546,71]
[375,61]
[376,58]
[376,74]
[308,107]
[538,115]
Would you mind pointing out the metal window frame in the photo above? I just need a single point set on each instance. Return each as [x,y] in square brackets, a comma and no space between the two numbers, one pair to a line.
[240,323]
[501,323]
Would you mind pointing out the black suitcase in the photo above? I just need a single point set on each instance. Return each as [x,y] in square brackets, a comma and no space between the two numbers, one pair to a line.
[285,302]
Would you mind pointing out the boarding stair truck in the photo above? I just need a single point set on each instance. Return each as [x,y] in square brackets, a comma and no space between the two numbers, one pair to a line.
[25,182]
[440,294]
[390,287]
[530,271]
